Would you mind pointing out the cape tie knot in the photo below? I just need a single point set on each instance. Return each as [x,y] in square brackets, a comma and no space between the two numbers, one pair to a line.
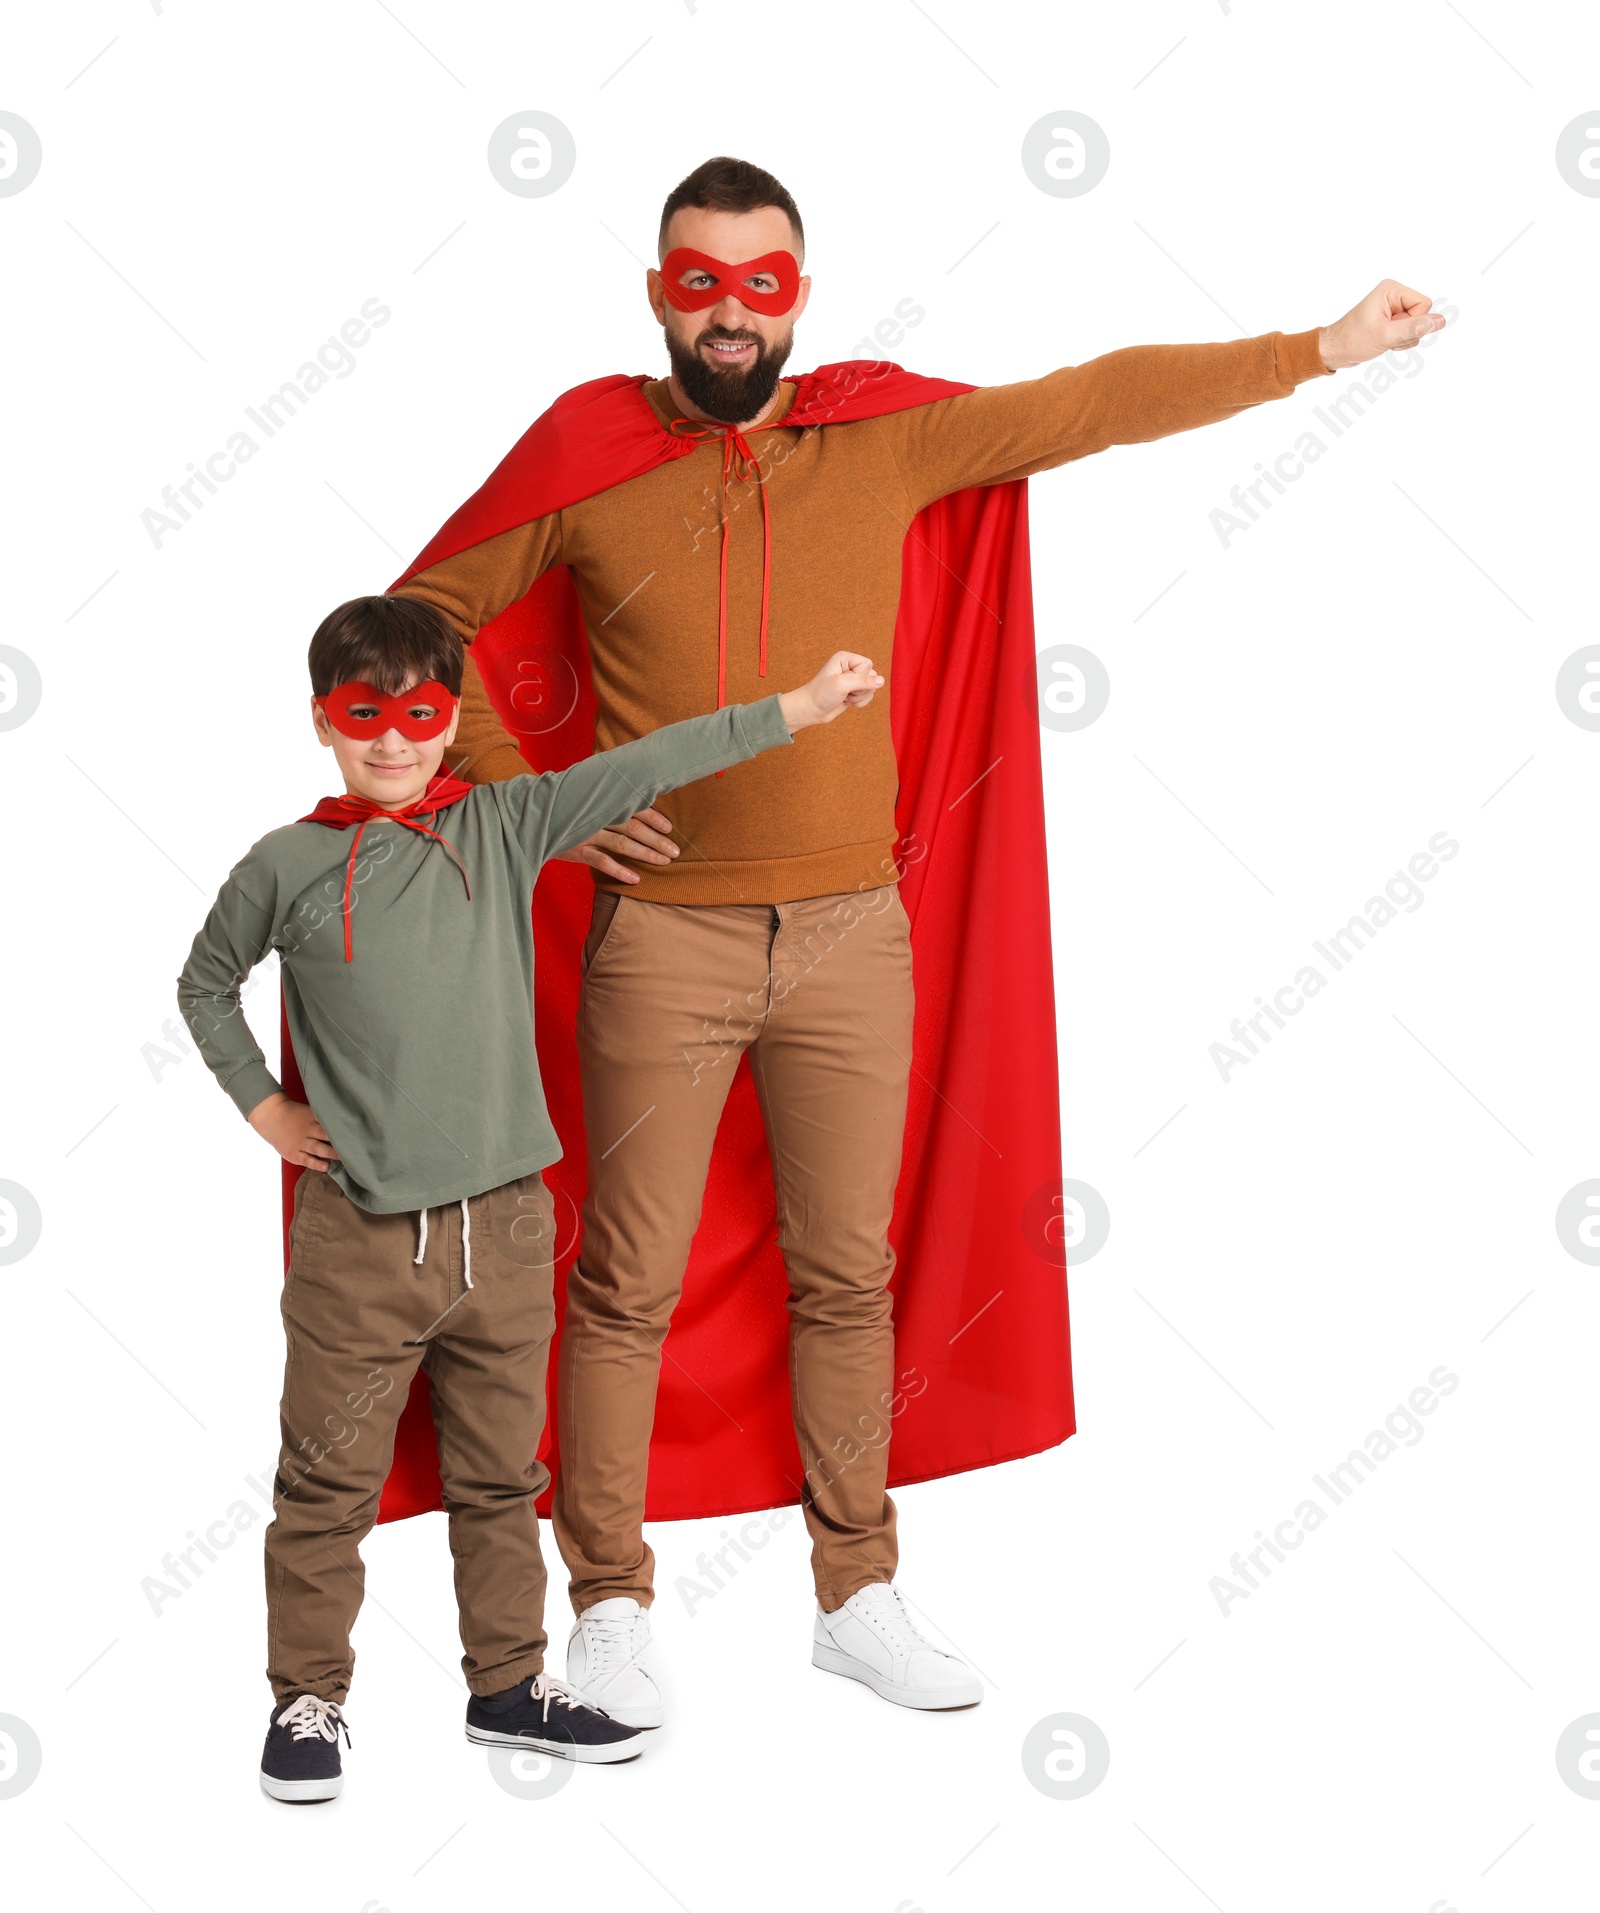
[361,811]
[737,457]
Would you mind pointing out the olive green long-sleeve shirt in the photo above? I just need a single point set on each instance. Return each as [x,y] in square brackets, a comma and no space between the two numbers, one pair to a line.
[418,1054]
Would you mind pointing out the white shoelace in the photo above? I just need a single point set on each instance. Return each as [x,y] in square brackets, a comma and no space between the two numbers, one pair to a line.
[608,1643]
[547,1688]
[466,1241]
[311,1718]
[880,1605]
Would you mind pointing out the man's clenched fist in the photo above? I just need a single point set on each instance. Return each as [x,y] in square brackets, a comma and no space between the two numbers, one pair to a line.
[1390,318]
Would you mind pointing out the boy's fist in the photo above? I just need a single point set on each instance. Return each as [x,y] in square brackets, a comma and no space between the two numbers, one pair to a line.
[846,681]
[294,1132]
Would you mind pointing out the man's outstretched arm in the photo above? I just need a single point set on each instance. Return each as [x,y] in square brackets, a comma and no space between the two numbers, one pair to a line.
[1129,397]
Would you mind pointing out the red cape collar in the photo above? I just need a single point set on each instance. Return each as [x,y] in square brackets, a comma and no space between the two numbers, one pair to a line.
[605,432]
[344,813]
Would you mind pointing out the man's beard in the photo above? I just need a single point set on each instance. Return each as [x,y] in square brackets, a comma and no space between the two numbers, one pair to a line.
[734,395]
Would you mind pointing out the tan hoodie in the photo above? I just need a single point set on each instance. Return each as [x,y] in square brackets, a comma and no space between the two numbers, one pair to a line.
[645,557]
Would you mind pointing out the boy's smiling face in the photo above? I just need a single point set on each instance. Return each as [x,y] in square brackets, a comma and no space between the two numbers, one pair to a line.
[392,770]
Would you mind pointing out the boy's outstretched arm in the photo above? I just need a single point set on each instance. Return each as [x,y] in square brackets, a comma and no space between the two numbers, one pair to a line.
[553,812]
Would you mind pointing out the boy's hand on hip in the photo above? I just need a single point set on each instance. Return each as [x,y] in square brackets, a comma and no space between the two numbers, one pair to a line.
[1390,319]
[646,837]
[294,1132]
[845,682]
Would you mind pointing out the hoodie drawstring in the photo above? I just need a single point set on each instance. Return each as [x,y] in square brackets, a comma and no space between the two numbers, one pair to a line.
[735,447]
[466,1241]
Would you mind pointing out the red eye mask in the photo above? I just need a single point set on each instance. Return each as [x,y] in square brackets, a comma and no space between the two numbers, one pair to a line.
[388,713]
[728,281]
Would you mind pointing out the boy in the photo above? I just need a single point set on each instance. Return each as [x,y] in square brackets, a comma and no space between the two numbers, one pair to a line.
[423,1232]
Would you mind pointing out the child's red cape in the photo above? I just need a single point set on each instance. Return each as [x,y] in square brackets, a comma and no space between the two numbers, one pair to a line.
[980,1291]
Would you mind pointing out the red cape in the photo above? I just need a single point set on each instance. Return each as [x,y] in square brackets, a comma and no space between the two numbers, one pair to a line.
[980,1291]
[442,792]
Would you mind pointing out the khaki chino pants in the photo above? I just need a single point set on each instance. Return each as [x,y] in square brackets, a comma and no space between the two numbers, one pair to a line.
[360,1317]
[818,994]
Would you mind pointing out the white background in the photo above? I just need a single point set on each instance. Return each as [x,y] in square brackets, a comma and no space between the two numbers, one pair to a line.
[1294,719]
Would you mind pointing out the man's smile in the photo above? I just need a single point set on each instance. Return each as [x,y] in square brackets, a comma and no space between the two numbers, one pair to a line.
[730,351]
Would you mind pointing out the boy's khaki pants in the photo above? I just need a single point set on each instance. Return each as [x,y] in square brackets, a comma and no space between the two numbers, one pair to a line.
[360,1317]
[818,995]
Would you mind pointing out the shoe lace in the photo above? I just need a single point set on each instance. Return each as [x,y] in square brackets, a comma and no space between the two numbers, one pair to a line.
[547,1688]
[312,1718]
[881,1605]
[608,1643]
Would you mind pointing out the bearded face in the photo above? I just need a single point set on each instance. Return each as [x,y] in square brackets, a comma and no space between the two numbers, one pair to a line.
[729,349]
[729,373]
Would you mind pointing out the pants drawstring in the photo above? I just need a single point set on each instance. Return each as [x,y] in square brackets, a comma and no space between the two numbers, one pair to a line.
[466,1241]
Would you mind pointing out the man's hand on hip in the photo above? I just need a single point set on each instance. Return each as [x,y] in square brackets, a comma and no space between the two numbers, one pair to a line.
[646,837]
[1391,318]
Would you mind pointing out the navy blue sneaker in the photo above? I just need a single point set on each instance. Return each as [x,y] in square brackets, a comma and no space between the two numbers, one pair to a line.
[301,1758]
[542,1713]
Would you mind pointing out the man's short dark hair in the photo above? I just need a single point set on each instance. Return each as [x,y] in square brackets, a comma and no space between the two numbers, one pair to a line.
[389,643]
[726,185]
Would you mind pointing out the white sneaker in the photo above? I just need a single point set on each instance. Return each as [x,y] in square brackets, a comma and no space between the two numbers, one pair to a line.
[608,1662]
[872,1639]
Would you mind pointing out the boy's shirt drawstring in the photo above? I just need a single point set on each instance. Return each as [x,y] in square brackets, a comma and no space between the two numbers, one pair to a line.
[466,1239]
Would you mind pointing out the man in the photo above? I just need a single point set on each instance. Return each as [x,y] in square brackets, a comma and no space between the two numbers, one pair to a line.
[701,920]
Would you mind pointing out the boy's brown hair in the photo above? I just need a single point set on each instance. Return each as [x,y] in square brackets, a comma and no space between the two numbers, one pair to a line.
[389,643]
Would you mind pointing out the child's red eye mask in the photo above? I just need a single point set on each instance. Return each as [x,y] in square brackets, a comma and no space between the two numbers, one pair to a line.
[362,710]
[725,281]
